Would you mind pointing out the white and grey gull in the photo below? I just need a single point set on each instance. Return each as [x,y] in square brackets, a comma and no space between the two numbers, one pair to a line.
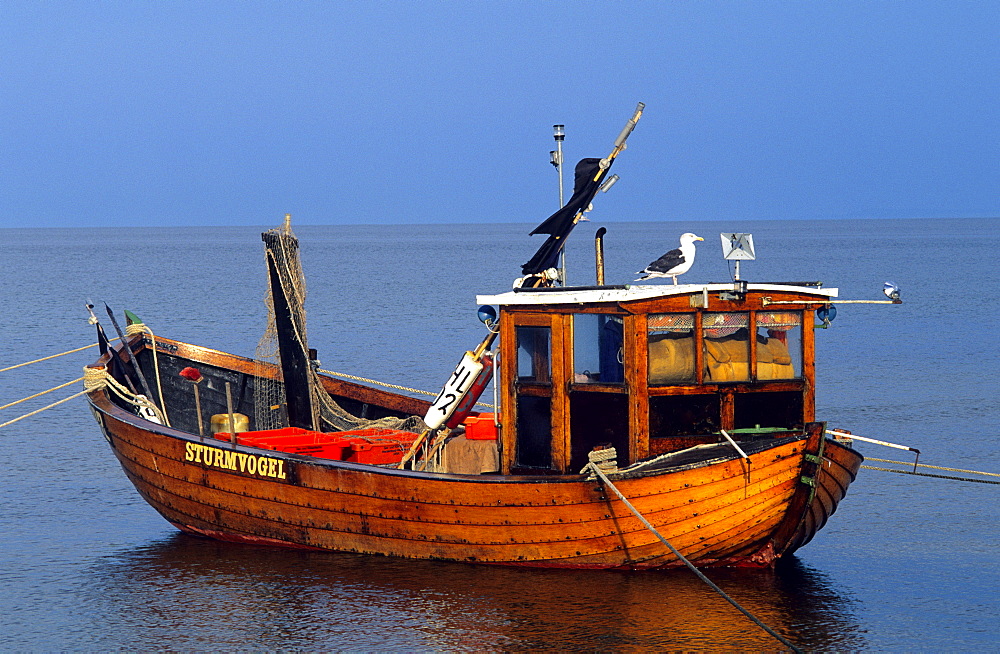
[673,263]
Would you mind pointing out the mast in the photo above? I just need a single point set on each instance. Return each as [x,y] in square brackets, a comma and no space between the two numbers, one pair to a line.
[281,248]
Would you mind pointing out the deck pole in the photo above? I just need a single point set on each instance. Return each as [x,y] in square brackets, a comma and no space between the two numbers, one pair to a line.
[197,408]
[229,408]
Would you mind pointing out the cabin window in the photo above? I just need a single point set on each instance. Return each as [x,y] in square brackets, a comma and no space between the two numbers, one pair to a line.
[671,348]
[779,345]
[597,349]
[534,354]
[683,415]
[726,347]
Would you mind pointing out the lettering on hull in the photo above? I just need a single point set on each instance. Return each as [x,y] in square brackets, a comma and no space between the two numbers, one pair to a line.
[215,457]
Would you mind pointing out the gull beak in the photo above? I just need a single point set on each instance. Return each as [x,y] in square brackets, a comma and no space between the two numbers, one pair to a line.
[698,238]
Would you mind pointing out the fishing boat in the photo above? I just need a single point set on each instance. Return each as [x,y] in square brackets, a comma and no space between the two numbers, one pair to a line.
[624,417]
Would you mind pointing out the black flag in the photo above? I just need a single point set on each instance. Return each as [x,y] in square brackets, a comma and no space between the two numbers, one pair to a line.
[588,178]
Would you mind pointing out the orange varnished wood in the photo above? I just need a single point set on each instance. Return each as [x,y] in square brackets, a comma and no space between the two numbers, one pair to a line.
[562,373]
[720,511]
[808,366]
[550,521]
[637,384]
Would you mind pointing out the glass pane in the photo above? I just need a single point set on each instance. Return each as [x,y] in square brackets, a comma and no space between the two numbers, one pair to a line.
[727,347]
[671,348]
[534,431]
[534,351]
[779,345]
[597,349]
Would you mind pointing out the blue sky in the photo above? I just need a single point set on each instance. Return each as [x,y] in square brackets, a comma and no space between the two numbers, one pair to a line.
[233,113]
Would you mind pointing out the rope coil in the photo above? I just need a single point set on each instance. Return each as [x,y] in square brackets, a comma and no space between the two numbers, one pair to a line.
[96,378]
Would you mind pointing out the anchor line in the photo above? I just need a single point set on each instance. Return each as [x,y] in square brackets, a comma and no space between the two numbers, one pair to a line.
[927,465]
[927,474]
[701,575]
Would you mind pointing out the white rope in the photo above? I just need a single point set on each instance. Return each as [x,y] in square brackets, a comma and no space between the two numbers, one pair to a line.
[99,377]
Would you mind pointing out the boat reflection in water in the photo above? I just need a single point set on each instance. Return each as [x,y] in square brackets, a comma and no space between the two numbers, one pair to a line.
[229,596]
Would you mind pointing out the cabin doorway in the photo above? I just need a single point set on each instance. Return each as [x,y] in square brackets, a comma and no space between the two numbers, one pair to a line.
[598,402]
[534,390]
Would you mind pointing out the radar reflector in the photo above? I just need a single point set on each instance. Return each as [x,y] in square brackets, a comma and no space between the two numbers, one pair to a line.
[737,247]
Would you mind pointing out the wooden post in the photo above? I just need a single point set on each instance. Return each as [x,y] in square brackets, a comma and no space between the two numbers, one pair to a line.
[197,408]
[636,343]
[232,419]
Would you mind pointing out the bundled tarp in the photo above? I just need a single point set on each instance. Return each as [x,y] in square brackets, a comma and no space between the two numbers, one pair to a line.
[589,175]
[588,178]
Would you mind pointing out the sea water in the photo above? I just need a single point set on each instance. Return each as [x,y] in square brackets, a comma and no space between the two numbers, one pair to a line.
[907,563]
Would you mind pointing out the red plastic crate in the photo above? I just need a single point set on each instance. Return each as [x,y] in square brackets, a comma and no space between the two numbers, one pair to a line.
[374,446]
[296,440]
[481,427]
[377,446]
[276,439]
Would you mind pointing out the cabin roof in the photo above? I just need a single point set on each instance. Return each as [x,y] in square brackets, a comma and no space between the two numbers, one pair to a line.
[571,295]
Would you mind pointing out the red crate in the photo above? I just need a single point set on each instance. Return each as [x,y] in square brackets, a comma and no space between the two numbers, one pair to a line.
[377,446]
[481,427]
[276,439]
[374,446]
[296,440]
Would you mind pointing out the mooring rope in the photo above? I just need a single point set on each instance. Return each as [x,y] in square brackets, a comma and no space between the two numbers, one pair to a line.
[927,474]
[31,397]
[44,408]
[53,356]
[393,386]
[784,641]
[91,379]
[927,465]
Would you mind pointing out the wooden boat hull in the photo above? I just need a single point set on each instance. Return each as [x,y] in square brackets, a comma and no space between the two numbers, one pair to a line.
[718,509]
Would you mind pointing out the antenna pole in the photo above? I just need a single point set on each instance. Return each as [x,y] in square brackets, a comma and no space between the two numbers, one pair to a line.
[559,133]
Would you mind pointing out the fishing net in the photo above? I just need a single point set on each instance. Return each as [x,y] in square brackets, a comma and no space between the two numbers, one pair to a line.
[282,250]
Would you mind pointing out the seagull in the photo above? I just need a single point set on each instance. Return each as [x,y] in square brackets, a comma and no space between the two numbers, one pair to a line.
[673,263]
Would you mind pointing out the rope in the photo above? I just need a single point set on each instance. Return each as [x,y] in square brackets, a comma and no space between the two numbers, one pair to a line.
[393,386]
[76,395]
[600,473]
[925,465]
[141,328]
[94,378]
[927,474]
[27,363]
[31,397]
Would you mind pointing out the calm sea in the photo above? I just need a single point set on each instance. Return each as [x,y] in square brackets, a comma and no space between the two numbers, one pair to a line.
[907,563]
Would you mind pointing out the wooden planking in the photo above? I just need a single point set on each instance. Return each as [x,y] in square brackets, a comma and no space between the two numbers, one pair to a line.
[556,520]
[205,515]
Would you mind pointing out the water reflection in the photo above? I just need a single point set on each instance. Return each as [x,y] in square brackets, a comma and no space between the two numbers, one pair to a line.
[184,592]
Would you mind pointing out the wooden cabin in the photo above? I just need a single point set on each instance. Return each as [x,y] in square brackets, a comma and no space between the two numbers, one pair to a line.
[650,369]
